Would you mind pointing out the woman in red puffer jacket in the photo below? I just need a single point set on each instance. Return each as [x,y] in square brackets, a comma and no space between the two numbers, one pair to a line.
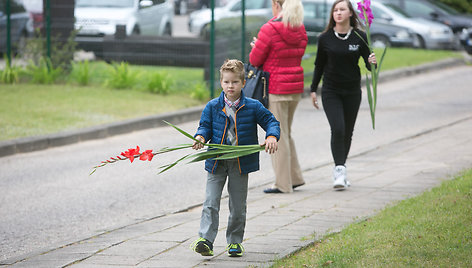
[278,49]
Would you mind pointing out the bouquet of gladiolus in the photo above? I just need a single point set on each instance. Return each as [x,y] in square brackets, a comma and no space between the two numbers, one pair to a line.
[366,14]
[217,151]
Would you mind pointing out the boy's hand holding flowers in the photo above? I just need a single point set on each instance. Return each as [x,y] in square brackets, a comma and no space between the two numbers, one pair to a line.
[197,145]
[271,145]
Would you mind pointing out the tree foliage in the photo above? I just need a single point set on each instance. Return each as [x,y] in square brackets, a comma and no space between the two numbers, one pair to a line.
[463,6]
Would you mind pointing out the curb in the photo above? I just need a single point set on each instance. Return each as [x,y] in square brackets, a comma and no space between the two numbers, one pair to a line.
[36,143]
[30,144]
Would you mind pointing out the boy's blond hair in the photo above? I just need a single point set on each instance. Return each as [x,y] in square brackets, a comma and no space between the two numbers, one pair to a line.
[234,66]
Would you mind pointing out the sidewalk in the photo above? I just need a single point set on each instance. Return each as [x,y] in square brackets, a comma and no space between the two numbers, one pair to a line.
[280,224]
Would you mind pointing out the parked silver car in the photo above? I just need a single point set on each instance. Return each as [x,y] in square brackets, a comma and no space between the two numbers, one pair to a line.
[146,17]
[316,17]
[435,11]
[431,35]
[200,18]
[19,21]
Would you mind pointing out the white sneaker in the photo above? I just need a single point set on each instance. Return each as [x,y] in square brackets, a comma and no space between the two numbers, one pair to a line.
[339,178]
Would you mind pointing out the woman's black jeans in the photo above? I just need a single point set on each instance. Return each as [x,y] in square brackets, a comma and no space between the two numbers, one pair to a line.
[341,111]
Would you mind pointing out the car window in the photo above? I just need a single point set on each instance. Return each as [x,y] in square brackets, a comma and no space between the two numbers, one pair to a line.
[445,8]
[315,11]
[158,2]
[309,11]
[379,13]
[417,9]
[105,3]
[253,4]
[398,10]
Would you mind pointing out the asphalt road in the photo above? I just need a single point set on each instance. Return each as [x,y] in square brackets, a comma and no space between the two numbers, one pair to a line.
[47,198]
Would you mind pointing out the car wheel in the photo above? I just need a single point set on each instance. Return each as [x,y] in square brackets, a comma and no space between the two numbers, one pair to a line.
[380,41]
[168,30]
[419,42]
[136,30]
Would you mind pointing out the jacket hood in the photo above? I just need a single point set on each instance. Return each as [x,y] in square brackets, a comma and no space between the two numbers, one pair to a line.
[290,35]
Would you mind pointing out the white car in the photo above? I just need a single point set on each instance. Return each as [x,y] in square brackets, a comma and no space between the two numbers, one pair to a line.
[200,18]
[145,17]
[430,35]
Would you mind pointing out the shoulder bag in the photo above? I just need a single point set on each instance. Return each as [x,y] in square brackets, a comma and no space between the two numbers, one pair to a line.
[257,84]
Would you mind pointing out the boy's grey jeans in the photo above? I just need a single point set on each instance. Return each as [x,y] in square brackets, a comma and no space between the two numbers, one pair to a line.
[237,190]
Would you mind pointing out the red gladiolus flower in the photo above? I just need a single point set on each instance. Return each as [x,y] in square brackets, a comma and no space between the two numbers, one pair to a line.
[146,155]
[131,153]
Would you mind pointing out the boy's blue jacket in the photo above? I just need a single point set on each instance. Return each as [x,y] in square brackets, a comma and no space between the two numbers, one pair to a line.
[214,127]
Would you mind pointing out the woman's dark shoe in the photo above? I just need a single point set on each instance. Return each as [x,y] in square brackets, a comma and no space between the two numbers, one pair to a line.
[298,185]
[272,191]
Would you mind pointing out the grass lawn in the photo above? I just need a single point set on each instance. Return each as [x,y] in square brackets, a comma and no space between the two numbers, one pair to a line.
[31,109]
[430,230]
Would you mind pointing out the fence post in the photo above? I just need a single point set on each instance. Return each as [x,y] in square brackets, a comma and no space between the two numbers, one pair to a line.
[47,12]
[212,50]
[7,9]
[243,30]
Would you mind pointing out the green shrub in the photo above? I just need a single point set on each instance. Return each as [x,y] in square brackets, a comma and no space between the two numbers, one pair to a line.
[81,72]
[44,72]
[160,83]
[463,6]
[200,92]
[120,76]
[10,74]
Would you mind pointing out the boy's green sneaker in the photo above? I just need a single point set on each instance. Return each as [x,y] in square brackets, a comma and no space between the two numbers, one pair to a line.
[203,247]
[235,250]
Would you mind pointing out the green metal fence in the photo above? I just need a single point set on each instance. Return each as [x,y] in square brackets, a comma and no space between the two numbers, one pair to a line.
[225,38]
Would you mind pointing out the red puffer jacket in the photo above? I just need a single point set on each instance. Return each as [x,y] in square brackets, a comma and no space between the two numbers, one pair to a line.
[279,50]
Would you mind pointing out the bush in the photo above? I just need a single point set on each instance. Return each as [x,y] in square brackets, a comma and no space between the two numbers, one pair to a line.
[200,92]
[81,72]
[44,72]
[120,77]
[160,83]
[463,6]
[10,74]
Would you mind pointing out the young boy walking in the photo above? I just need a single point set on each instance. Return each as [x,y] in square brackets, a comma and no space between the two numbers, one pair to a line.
[231,119]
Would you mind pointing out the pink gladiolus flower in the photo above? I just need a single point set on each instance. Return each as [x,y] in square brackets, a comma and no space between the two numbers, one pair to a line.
[362,6]
[146,155]
[131,153]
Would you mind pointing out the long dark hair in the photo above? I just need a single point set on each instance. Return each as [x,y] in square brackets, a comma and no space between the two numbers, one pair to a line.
[354,20]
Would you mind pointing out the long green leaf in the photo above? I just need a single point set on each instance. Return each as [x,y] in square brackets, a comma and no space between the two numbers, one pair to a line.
[220,154]
[178,147]
[169,166]
[239,154]
[369,97]
[376,74]
[181,131]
